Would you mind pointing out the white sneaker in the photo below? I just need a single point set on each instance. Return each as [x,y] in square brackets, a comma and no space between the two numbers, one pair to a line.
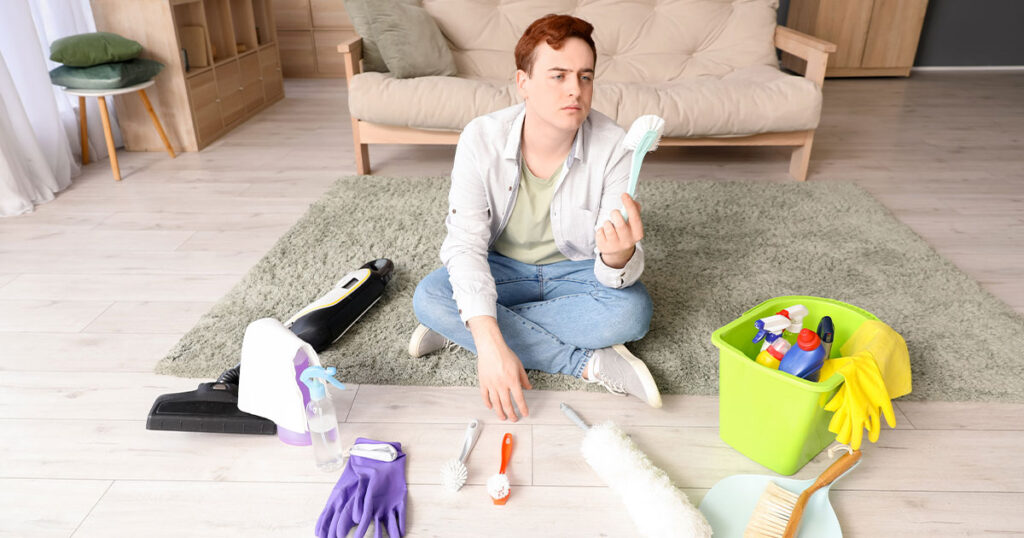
[621,372]
[425,341]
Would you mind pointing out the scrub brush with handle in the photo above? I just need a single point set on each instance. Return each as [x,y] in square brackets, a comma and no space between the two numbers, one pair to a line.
[642,138]
[778,512]
[498,485]
[454,473]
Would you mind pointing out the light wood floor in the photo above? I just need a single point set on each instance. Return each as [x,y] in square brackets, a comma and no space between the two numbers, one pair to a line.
[96,286]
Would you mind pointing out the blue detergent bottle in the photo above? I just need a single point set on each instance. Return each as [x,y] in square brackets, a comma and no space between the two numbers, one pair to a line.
[806,358]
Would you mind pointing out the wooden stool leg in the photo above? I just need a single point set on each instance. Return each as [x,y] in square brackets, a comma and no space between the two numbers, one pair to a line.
[85,130]
[110,138]
[156,122]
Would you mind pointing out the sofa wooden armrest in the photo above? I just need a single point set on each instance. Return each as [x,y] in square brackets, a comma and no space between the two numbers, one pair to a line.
[815,53]
[352,50]
[812,50]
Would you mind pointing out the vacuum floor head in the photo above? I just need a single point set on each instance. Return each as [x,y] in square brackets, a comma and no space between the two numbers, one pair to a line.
[211,408]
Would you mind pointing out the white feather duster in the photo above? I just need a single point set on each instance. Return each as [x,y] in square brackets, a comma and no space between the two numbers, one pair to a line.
[657,507]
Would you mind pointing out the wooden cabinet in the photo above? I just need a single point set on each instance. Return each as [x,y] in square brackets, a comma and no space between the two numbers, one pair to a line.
[270,68]
[328,59]
[252,82]
[221,65]
[310,31]
[229,91]
[874,37]
[291,14]
[329,14]
[205,105]
[298,59]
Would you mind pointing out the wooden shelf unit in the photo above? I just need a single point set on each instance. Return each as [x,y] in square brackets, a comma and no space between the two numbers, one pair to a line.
[874,38]
[200,104]
[310,31]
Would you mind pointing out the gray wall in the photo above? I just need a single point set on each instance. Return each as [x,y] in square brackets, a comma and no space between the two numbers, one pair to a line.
[966,32]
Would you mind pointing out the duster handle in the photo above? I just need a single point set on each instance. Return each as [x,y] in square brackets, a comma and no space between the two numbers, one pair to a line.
[571,413]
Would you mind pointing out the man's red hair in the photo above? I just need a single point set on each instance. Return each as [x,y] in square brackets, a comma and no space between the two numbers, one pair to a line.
[553,30]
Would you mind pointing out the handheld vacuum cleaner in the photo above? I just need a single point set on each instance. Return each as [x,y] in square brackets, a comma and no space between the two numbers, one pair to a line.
[271,400]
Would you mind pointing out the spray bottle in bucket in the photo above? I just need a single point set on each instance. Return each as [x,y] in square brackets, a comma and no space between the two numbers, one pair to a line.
[770,328]
[770,357]
[322,420]
[796,315]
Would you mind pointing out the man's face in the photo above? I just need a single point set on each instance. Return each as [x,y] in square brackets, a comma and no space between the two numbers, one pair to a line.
[561,86]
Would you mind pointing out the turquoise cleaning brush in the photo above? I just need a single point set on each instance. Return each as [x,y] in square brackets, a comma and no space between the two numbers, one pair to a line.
[642,138]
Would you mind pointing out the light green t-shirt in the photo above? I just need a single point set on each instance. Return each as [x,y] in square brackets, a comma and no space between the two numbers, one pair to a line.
[527,237]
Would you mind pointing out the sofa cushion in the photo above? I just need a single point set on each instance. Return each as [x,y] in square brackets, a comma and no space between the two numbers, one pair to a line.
[650,41]
[750,100]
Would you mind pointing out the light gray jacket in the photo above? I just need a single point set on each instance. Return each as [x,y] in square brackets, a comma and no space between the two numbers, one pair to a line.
[485,181]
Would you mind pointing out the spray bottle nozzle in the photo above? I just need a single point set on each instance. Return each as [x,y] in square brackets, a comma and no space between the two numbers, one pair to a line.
[770,327]
[796,313]
[315,378]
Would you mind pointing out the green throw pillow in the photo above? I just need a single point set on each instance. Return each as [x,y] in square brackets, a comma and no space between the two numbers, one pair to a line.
[106,76]
[409,40]
[87,50]
[401,37]
[372,60]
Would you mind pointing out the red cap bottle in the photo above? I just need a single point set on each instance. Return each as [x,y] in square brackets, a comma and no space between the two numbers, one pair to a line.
[808,340]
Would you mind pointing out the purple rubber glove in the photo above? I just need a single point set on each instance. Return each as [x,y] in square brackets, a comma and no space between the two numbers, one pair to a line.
[383,500]
[338,511]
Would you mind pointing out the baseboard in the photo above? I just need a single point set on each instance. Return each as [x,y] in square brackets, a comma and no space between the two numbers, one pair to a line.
[970,68]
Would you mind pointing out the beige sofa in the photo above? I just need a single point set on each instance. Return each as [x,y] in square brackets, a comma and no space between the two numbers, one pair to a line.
[708,67]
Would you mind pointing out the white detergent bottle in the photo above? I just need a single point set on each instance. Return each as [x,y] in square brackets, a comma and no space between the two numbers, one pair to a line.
[321,418]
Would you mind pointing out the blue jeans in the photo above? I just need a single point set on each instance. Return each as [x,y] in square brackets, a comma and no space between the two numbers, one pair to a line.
[552,316]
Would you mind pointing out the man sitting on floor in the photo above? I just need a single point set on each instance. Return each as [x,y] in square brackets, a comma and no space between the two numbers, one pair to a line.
[523,285]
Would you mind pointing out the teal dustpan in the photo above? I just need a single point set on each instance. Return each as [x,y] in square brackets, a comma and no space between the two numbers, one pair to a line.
[729,505]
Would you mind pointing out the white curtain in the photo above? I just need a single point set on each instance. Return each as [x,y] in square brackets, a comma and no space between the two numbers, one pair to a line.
[39,140]
[28,174]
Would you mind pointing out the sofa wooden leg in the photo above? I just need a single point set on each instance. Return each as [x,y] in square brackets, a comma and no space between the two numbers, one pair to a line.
[362,159]
[362,151]
[801,158]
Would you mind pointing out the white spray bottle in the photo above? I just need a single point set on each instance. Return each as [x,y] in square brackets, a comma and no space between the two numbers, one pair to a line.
[770,328]
[796,314]
[322,420]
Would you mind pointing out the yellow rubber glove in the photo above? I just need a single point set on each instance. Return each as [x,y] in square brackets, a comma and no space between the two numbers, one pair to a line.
[840,413]
[873,387]
[849,414]
[889,351]
[860,400]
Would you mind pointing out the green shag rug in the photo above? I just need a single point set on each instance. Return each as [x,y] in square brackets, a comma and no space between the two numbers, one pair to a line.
[713,251]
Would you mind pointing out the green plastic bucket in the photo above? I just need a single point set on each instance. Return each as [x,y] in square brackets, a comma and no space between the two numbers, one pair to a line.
[772,417]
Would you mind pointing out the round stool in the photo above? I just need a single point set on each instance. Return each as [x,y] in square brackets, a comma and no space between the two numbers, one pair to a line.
[100,94]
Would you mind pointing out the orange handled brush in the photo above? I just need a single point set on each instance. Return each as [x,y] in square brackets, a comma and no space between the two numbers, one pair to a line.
[498,485]
[778,511]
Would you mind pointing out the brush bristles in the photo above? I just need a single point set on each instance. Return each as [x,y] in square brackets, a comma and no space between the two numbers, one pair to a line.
[771,515]
[498,486]
[640,127]
[454,474]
